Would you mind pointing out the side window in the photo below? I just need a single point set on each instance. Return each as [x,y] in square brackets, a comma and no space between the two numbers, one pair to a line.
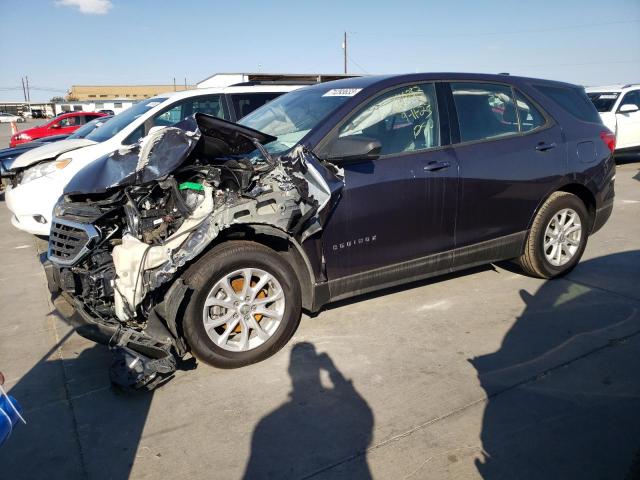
[245,103]
[402,120]
[485,111]
[134,136]
[175,114]
[530,117]
[70,122]
[632,98]
[211,105]
[573,100]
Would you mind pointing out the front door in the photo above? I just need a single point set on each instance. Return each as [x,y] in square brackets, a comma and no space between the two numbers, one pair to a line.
[399,206]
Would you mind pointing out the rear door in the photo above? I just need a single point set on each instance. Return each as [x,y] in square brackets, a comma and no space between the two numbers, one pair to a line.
[509,153]
[399,206]
[628,123]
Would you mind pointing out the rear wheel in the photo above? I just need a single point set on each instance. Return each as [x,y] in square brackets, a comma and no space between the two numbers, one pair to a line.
[245,306]
[557,238]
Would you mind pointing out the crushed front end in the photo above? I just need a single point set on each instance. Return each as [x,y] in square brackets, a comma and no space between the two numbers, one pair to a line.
[131,223]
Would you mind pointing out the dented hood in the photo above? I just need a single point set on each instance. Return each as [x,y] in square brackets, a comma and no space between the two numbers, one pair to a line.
[165,149]
[49,152]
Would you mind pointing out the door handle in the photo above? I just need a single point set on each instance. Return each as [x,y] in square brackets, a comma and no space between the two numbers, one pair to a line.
[543,146]
[435,166]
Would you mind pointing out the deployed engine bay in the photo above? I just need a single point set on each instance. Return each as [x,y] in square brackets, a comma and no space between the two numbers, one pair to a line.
[132,220]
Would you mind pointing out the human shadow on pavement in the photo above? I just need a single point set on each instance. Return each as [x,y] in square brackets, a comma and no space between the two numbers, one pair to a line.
[563,388]
[78,426]
[318,429]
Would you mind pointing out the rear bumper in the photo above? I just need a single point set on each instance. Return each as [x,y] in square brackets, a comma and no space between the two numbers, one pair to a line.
[602,215]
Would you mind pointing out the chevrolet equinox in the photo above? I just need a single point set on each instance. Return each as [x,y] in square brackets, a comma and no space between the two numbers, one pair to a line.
[210,236]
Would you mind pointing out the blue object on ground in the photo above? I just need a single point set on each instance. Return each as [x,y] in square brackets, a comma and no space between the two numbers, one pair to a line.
[10,414]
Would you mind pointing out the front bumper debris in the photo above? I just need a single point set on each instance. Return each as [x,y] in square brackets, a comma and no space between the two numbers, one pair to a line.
[140,362]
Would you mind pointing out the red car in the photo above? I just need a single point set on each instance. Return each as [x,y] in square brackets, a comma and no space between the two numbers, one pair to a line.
[64,124]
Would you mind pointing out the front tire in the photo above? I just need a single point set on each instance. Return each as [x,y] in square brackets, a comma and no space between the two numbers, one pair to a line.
[557,238]
[245,304]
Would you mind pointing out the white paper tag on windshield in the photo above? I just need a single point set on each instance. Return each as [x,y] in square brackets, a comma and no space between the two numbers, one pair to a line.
[342,92]
[152,104]
[609,96]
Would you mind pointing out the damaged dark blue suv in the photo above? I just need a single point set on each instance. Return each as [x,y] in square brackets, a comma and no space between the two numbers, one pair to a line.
[211,236]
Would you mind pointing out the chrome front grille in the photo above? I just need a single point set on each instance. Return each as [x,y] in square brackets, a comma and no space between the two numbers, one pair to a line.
[70,241]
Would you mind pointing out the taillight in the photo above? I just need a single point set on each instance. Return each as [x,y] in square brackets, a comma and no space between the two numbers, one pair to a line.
[609,139]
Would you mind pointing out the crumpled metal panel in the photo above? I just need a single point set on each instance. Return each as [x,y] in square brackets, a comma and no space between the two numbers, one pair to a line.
[154,157]
[163,150]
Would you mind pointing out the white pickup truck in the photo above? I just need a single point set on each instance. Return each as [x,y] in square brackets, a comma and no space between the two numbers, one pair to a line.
[619,108]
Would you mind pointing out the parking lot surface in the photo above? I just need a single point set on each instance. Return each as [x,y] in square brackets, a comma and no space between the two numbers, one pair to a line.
[5,129]
[483,374]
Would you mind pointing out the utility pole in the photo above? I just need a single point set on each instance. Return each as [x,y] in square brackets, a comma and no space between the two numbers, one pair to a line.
[344,47]
[24,90]
[174,84]
[185,83]
[28,93]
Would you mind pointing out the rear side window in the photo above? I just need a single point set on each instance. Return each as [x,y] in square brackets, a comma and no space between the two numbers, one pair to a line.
[603,101]
[245,103]
[574,100]
[88,118]
[530,117]
[485,111]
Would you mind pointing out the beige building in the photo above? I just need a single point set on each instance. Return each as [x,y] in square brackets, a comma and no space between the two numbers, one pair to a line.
[133,92]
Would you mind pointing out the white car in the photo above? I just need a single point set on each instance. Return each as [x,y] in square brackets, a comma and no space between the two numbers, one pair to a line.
[619,108]
[42,173]
[8,118]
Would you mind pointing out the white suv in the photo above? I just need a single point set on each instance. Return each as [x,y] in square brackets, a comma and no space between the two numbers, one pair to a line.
[40,175]
[619,107]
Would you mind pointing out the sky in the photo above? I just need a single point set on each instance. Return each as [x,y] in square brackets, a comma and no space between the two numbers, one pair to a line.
[58,43]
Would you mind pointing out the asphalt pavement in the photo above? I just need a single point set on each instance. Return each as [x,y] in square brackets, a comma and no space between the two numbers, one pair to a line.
[484,374]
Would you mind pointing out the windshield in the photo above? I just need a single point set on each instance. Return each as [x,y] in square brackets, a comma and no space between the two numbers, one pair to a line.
[87,128]
[603,101]
[291,116]
[120,121]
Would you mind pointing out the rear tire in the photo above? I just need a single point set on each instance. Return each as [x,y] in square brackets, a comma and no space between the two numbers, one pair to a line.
[215,272]
[557,238]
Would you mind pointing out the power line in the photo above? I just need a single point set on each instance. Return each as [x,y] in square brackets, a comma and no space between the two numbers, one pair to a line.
[502,66]
[358,65]
[481,34]
[31,87]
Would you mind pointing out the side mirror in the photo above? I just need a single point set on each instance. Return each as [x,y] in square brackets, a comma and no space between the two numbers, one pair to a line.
[628,108]
[351,149]
[55,125]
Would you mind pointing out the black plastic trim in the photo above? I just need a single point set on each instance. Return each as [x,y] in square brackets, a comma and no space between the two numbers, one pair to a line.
[503,248]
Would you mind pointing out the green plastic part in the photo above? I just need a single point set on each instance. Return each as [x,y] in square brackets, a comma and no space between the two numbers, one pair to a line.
[191,186]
